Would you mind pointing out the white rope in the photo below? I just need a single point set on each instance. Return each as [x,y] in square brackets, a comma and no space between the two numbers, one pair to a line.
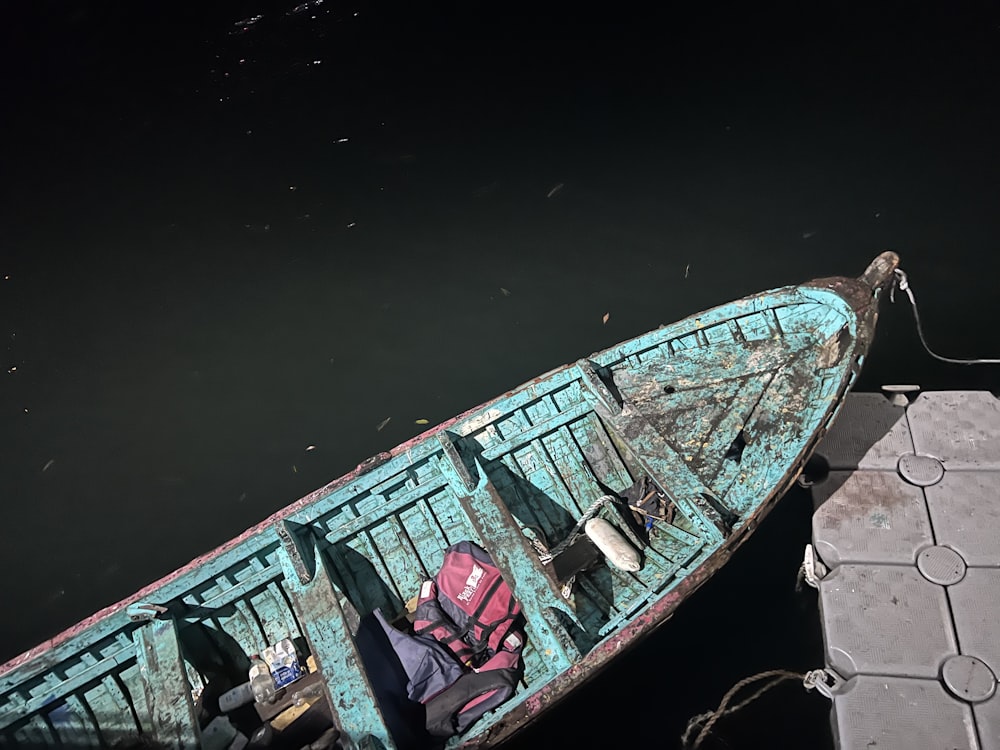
[903,284]
[588,514]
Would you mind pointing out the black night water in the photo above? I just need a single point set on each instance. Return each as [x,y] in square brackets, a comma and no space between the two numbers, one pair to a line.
[235,241]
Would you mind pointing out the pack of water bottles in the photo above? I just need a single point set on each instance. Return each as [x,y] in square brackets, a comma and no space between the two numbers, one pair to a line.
[283,662]
[274,668]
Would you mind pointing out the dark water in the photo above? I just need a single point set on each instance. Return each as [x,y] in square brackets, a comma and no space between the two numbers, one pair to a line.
[222,244]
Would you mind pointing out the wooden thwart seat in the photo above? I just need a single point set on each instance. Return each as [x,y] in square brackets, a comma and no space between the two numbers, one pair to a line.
[165,683]
[330,625]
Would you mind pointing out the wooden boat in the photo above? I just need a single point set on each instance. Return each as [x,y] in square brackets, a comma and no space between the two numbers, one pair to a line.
[716,414]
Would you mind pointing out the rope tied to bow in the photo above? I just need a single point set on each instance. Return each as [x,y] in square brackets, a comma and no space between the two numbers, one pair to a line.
[902,283]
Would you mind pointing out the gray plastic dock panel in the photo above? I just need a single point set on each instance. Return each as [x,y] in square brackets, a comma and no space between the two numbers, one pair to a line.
[965,512]
[885,619]
[869,714]
[893,528]
[976,604]
[961,428]
[987,716]
[908,524]
[873,436]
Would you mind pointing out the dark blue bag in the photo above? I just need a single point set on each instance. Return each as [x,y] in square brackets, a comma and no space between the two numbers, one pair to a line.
[430,668]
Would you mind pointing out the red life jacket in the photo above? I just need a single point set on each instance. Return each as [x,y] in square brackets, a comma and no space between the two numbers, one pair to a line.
[468,607]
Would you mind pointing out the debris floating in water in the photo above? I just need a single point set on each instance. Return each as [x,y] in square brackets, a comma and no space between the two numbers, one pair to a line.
[295,469]
[242,27]
[303,7]
[606,316]
[687,270]
[48,464]
[423,421]
[310,447]
[382,424]
[505,292]
[808,235]
[555,191]
[342,140]
[352,224]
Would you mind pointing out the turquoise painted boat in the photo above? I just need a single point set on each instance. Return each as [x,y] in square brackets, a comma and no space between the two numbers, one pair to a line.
[680,440]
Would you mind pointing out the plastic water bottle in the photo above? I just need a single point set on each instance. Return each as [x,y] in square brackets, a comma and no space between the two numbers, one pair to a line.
[307,695]
[261,681]
[238,696]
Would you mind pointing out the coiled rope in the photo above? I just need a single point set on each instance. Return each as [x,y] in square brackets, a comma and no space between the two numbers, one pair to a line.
[903,284]
[709,718]
[587,515]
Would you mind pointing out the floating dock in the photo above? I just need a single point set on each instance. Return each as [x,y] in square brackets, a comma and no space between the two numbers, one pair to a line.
[906,540]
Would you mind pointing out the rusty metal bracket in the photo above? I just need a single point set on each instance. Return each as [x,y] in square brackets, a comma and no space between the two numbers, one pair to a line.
[144,611]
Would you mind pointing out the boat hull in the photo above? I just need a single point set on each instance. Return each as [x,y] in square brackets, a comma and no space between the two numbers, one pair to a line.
[715,415]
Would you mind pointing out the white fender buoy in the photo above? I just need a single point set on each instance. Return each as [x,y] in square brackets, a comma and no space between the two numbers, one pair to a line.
[615,547]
